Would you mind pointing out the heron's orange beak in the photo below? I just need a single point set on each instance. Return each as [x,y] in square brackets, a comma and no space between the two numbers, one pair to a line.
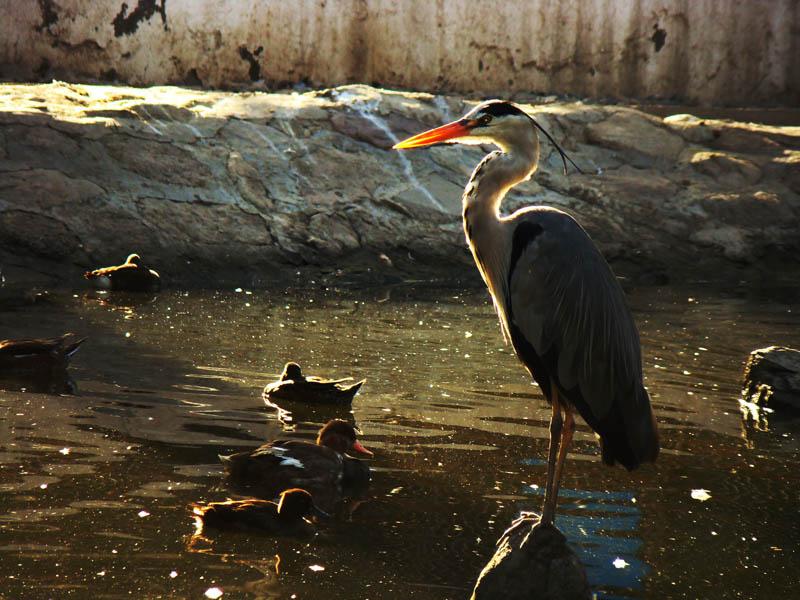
[456,129]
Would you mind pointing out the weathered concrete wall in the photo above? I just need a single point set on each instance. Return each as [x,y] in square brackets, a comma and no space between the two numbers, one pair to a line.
[722,52]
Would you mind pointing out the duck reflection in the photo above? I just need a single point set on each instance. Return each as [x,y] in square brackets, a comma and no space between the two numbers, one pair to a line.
[122,301]
[266,588]
[292,414]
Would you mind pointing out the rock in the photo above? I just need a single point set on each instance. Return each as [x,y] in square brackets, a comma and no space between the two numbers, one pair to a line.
[772,375]
[690,128]
[225,188]
[361,128]
[248,182]
[742,139]
[731,240]
[533,562]
[726,169]
[742,224]
[631,131]
[760,209]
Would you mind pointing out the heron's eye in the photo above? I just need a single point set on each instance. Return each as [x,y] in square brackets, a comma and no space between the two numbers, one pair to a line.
[485,119]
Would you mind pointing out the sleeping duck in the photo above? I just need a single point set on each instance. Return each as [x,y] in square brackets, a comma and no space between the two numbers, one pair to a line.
[296,387]
[131,276]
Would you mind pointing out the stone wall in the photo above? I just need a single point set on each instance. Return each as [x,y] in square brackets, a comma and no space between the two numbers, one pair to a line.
[218,188]
[721,52]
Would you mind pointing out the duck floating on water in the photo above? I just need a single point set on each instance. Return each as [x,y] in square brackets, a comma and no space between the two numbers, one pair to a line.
[296,387]
[322,468]
[38,364]
[288,516]
[38,355]
[131,276]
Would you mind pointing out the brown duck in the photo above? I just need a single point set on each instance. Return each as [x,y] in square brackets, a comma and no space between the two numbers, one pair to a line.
[288,516]
[131,276]
[38,365]
[322,468]
[38,355]
[296,387]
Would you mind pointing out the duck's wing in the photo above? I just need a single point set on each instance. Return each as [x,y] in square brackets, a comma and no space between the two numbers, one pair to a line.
[314,379]
[274,387]
[330,392]
[350,388]
[69,344]
[129,276]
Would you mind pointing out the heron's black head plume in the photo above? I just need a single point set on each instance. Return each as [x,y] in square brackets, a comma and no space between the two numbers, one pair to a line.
[484,113]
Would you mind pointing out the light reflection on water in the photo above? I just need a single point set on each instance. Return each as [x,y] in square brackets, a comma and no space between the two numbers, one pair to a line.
[166,383]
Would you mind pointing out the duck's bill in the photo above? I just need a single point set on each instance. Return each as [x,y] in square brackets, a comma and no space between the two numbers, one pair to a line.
[357,447]
[451,131]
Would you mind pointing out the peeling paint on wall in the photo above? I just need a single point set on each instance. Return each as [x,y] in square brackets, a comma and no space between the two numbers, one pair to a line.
[255,68]
[659,37]
[127,24]
[49,14]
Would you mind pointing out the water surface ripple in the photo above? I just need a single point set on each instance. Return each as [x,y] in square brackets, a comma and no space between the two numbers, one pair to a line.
[95,486]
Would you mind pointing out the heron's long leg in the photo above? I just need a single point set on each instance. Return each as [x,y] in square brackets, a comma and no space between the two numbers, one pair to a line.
[551,491]
[566,438]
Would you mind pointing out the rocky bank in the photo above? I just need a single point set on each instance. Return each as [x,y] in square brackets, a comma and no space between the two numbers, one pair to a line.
[223,188]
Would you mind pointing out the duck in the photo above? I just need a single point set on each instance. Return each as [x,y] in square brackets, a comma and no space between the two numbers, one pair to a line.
[321,468]
[131,276]
[288,516]
[38,364]
[296,387]
[38,355]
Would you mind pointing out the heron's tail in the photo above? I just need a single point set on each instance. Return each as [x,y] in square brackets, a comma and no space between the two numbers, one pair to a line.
[638,443]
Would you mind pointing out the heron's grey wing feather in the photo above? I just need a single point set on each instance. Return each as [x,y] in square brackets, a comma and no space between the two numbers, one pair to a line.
[566,301]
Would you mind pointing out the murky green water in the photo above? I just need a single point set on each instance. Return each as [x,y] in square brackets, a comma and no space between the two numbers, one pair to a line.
[95,486]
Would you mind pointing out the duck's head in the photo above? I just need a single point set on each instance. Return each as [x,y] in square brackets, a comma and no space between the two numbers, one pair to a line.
[297,503]
[341,436]
[292,371]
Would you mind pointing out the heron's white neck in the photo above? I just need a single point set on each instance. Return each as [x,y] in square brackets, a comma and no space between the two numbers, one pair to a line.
[493,177]
[498,172]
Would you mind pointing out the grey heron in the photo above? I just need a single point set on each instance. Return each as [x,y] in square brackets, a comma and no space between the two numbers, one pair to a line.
[558,301]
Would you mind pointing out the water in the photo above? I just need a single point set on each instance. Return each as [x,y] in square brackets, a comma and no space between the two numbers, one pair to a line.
[95,486]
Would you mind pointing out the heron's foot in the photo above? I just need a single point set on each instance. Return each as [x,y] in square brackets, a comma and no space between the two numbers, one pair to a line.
[525,519]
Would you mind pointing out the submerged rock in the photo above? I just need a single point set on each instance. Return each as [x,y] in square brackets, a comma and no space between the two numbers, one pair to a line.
[533,562]
[251,188]
[772,376]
